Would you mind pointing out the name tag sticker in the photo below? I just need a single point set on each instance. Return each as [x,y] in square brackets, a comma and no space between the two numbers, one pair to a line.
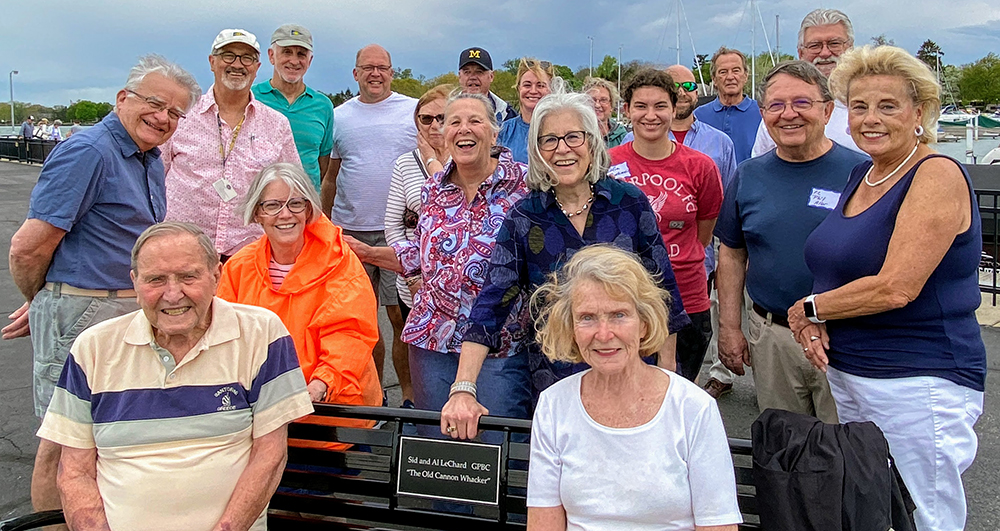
[821,198]
[224,189]
[620,171]
[677,225]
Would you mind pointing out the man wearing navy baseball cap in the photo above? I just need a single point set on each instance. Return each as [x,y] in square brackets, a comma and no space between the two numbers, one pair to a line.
[475,75]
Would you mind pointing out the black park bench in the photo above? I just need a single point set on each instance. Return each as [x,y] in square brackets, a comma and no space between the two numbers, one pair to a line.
[368,486]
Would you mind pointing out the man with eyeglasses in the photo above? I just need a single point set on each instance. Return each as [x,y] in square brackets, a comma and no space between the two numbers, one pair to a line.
[475,76]
[773,203]
[309,112]
[227,138]
[373,128]
[825,34]
[732,112]
[70,258]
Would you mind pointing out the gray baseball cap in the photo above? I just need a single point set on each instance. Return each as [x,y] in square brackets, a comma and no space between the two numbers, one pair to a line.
[229,36]
[292,35]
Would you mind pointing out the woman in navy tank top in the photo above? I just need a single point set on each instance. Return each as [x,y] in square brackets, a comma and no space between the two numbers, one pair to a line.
[892,314]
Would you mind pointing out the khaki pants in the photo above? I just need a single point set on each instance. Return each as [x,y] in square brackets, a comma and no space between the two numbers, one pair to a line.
[782,375]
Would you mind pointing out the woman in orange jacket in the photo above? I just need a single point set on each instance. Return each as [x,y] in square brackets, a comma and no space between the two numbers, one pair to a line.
[302,270]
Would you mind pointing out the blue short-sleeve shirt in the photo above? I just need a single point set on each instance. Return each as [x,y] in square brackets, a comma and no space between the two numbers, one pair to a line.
[104,192]
[739,122]
[514,136]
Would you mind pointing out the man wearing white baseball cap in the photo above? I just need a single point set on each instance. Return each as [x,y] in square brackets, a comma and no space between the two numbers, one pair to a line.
[226,139]
[309,112]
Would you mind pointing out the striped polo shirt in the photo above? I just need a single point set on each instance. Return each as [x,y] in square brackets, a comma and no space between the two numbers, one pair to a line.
[173,439]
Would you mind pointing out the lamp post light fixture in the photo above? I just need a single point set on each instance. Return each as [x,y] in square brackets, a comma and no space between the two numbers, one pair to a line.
[11,76]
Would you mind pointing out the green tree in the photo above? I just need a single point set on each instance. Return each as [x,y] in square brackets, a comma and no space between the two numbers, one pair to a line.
[566,73]
[87,111]
[882,40]
[978,81]
[510,65]
[449,78]
[929,53]
[765,62]
[503,86]
[608,69]
[340,97]
[409,87]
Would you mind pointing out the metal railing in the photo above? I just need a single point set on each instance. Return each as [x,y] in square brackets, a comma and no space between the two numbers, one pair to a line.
[33,151]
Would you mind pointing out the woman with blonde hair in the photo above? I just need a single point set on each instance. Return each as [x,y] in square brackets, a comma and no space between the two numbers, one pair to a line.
[892,314]
[605,309]
[534,82]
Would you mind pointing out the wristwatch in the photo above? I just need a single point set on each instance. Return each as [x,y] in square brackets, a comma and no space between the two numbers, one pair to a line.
[809,305]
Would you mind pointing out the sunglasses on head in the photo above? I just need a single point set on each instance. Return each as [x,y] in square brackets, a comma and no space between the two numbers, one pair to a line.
[530,63]
[428,119]
[689,86]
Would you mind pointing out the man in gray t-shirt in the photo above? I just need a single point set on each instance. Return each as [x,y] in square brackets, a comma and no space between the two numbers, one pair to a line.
[373,129]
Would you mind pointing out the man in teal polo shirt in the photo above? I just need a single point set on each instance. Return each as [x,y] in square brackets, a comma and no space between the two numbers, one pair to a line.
[309,112]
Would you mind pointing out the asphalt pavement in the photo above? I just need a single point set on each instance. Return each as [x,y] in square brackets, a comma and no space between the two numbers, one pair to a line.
[739,408]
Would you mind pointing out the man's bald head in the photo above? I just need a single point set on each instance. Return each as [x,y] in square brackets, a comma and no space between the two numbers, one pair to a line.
[680,73]
[373,72]
[373,50]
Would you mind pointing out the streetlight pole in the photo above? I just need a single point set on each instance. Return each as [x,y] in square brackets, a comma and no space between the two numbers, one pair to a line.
[618,112]
[11,77]
[591,39]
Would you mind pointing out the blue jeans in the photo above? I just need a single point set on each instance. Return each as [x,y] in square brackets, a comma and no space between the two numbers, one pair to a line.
[502,387]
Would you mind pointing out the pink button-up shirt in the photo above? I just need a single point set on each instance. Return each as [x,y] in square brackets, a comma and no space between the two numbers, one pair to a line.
[193,163]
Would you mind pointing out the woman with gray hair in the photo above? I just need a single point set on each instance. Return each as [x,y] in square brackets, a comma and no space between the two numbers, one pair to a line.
[892,316]
[622,445]
[605,97]
[304,271]
[573,203]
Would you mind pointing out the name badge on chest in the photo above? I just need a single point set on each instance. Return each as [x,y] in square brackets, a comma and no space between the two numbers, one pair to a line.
[224,189]
[821,198]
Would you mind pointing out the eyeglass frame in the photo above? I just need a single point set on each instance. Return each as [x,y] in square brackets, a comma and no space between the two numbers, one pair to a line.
[286,204]
[368,69]
[253,58]
[158,105]
[834,45]
[564,138]
[771,108]
[686,84]
[428,119]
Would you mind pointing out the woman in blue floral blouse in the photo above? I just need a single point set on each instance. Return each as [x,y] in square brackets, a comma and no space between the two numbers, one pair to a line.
[573,203]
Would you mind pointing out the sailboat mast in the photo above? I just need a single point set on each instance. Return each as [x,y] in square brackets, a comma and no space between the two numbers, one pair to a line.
[753,49]
[678,32]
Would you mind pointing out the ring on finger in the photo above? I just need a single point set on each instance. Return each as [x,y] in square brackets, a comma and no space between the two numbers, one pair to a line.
[805,349]
[813,338]
[451,429]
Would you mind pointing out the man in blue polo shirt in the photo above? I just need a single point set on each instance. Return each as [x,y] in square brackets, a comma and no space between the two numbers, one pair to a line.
[71,257]
[732,112]
[309,112]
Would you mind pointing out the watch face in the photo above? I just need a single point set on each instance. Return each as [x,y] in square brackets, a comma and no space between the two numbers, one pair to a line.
[810,310]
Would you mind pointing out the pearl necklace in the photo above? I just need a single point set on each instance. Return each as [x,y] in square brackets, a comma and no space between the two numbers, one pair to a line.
[578,212]
[893,172]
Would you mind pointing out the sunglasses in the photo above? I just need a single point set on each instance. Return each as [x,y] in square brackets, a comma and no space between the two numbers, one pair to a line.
[689,86]
[428,119]
[530,63]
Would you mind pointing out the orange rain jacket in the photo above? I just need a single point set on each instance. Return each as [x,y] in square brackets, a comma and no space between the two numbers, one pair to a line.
[327,304]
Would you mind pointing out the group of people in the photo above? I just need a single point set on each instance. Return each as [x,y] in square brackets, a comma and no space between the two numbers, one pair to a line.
[219,275]
[45,131]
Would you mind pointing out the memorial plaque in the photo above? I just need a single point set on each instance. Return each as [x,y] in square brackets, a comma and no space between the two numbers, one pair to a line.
[449,470]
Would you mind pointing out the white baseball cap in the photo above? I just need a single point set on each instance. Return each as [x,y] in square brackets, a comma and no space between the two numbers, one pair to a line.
[229,36]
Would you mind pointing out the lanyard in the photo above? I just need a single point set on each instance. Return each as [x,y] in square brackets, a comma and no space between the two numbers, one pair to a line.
[223,152]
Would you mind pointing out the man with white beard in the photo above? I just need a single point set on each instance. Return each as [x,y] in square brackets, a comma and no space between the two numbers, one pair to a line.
[226,139]
[825,34]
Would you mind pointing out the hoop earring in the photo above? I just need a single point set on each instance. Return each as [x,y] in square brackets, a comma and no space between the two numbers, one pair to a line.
[920,130]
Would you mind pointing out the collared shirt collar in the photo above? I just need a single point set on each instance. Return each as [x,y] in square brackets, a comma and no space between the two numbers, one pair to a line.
[207,103]
[505,158]
[743,105]
[267,87]
[225,326]
[125,143]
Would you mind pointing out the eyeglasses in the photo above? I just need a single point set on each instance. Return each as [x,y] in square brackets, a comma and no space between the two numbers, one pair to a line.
[602,101]
[573,139]
[530,63]
[296,205]
[689,86]
[157,105]
[428,119]
[835,45]
[368,69]
[229,58]
[778,107]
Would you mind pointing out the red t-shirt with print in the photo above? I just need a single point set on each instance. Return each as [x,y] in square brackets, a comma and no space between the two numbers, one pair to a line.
[683,189]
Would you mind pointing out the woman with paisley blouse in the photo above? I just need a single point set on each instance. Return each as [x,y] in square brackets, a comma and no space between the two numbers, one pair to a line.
[462,209]
[573,203]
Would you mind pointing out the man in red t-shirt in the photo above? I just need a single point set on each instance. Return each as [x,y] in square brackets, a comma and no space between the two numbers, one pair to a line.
[685,191]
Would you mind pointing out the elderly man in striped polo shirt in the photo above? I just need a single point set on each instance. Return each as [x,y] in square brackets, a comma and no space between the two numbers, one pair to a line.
[162,412]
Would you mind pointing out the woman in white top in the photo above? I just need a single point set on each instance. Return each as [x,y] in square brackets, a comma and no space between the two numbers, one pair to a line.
[624,445]
[402,208]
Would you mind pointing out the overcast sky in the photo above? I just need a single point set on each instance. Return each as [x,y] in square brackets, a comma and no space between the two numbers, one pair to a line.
[67,50]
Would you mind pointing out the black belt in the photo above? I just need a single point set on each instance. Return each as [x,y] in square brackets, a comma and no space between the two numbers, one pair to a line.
[775,318]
